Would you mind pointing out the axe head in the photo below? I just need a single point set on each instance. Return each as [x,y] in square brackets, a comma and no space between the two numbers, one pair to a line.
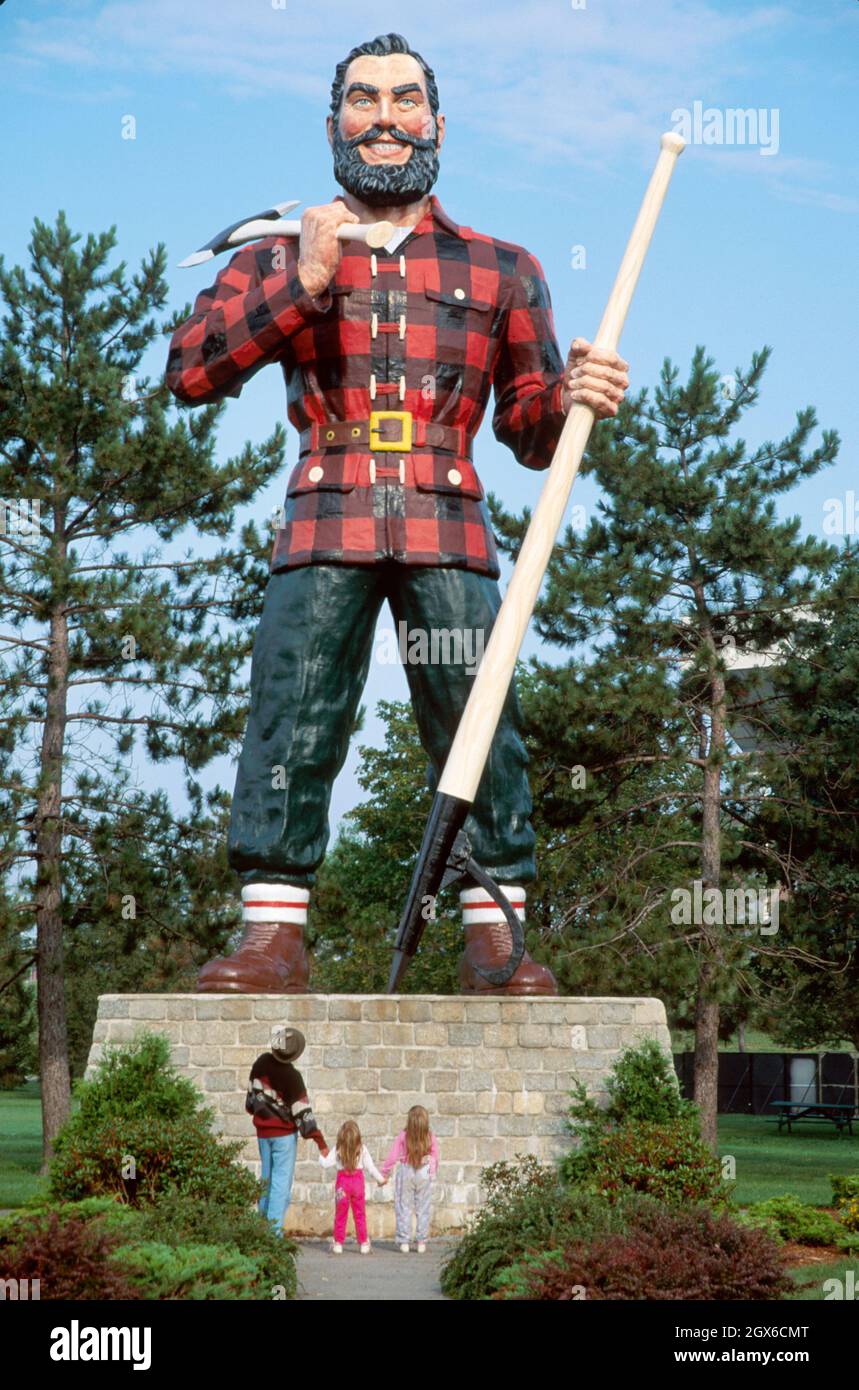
[222,241]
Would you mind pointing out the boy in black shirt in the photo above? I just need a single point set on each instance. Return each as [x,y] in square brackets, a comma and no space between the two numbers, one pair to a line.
[277,1100]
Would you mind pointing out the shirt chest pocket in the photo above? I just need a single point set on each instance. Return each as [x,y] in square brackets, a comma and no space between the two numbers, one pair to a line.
[462,327]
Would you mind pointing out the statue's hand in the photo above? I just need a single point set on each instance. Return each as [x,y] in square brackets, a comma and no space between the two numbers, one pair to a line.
[594,377]
[319,250]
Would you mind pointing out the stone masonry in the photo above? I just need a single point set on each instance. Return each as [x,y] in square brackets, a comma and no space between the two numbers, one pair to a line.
[494,1075]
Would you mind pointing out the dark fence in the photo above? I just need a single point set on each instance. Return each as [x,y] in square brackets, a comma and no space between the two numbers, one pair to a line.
[750,1081]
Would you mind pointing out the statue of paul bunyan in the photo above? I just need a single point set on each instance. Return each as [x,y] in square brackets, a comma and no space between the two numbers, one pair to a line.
[388,357]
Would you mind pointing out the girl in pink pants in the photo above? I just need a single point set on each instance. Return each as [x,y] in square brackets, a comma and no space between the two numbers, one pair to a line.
[351,1157]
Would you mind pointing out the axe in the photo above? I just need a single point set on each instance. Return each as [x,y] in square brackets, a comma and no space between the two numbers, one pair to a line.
[445,853]
[271,223]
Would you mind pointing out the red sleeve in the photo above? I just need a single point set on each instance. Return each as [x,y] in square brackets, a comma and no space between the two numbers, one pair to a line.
[528,374]
[239,324]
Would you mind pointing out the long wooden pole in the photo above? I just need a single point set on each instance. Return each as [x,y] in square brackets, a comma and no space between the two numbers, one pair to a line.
[470,748]
[457,787]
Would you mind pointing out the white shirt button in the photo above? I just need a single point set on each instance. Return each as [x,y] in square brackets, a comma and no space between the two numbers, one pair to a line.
[316,473]
[459,294]
[454,476]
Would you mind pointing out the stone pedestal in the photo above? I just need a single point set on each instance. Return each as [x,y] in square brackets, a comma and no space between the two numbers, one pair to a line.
[494,1075]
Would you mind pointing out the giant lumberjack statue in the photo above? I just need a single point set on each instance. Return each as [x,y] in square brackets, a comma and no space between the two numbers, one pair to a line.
[388,358]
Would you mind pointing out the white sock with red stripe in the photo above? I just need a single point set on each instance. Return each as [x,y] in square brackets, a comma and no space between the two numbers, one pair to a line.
[480,908]
[274,902]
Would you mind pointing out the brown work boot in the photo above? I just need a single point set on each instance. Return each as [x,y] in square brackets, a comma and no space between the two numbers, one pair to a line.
[270,959]
[487,944]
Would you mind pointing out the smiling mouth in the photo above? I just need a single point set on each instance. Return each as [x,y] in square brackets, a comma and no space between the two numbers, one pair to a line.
[385,149]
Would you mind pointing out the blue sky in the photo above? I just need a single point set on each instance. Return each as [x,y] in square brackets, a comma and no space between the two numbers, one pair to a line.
[554,113]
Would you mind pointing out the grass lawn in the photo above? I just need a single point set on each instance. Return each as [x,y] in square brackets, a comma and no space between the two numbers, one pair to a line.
[683,1040]
[810,1280]
[769,1163]
[20,1144]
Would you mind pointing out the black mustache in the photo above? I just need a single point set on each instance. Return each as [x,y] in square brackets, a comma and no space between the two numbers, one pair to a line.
[376,131]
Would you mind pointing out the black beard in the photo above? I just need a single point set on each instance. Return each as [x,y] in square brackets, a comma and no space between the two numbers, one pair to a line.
[385,185]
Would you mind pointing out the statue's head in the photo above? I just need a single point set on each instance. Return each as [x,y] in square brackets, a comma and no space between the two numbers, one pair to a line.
[385,128]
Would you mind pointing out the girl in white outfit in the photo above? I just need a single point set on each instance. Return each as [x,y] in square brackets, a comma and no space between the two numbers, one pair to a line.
[351,1157]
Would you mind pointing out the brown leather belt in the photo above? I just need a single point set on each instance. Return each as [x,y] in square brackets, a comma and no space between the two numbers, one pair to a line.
[395,431]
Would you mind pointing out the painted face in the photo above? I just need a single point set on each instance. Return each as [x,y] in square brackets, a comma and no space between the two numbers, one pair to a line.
[385,139]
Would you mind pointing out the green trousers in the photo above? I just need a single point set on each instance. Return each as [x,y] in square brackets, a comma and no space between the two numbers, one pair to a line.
[311,658]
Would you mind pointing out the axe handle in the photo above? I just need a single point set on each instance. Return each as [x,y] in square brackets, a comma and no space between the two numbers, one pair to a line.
[375,234]
[470,748]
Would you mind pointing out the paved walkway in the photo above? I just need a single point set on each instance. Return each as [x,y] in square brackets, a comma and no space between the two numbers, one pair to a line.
[383,1276]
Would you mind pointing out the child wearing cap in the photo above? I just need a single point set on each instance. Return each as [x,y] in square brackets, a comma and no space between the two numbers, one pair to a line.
[278,1102]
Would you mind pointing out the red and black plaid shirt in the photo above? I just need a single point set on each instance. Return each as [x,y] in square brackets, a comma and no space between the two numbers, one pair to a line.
[427,329]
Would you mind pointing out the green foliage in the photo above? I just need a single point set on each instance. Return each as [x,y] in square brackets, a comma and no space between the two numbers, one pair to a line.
[790,1219]
[18,1058]
[361,886]
[667,1161]
[687,556]
[518,1280]
[121,639]
[184,1154]
[811,818]
[642,1085]
[135,1080]
[187,1271]
[137,1107]
[845,1194]
[647,1139]
[690,1254]
[848,1211]
[527,1209]
[149,899]
[177,1219]
[179,1246]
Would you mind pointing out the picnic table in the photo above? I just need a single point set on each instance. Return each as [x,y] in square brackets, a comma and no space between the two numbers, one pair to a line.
[840,1113]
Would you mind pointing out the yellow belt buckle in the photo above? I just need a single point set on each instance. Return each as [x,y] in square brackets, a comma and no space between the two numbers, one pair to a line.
[404,443]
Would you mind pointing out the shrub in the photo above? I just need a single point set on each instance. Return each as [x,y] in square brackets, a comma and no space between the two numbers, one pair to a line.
[109,1213]
[138,1107]
[70,1257]
[136,1080]
[218,1252]
[647,1139]
[663,1254]
[667,1161]
[180,1220]
[845,1194]
[787,1218]
[527,1208]
[181,1154]
[642,1086]
[193,1272]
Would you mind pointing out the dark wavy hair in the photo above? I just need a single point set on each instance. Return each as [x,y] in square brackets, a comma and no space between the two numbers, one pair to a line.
[380,48]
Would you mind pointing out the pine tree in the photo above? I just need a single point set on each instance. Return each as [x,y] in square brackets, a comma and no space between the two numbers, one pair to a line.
[106,649]
[810,820]
[684,563]
[17,1000]
[362,884]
